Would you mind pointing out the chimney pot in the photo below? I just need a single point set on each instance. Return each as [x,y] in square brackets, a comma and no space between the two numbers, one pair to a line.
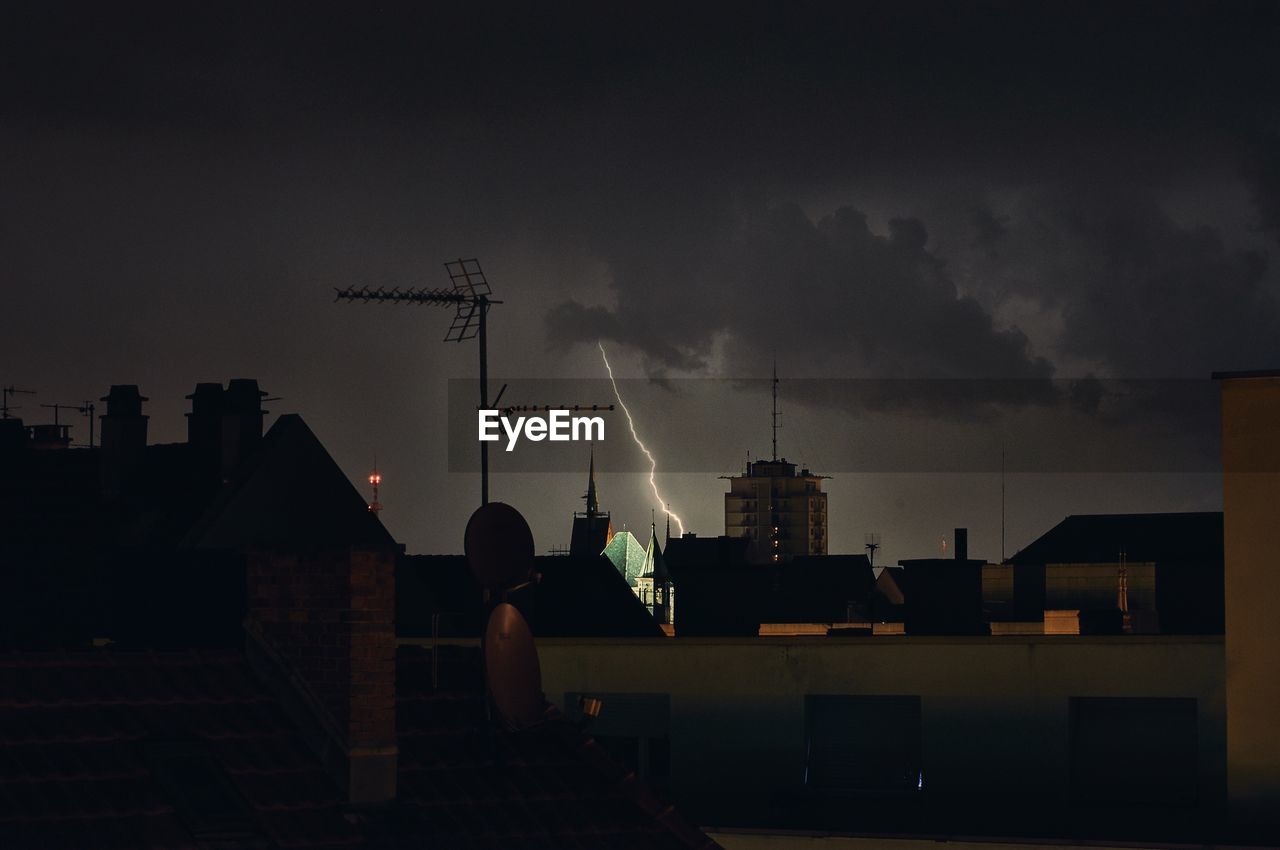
[242,416]
[124,438]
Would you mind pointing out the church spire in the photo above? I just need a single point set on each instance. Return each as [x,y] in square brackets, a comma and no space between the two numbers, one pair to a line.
[593,505]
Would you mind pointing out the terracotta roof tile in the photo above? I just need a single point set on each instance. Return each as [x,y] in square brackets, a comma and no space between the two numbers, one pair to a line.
[74,727]
[79,732]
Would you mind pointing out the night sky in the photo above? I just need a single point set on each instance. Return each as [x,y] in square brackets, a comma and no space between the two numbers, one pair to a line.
[1031,191]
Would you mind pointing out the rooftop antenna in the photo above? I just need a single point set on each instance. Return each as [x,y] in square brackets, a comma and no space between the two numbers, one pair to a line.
[375,481]
[87,409]
[871,542]
[470,299]
[775,407]
[56,408]
[5,394]
[62,429]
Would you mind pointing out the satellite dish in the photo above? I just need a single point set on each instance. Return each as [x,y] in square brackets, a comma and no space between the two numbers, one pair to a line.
[499,546]
[511,668]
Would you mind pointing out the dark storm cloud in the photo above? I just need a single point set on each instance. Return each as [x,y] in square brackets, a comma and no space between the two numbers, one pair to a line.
[893,190]
[1264,171]
[1138,293]
[829,293]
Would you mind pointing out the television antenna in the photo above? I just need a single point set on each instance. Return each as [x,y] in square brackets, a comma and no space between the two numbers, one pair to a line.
[87,409]
[7,393]
[469,296]
[871,542]
[62,429]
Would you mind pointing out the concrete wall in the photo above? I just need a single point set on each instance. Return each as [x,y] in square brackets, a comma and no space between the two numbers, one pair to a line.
[995,710]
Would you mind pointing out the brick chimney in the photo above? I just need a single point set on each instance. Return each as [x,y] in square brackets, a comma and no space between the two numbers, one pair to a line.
[124,438]
[204,430]
[242,416]
[321,630]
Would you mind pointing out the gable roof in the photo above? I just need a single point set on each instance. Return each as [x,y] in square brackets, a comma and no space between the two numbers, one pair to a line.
[627,555]
[576,597]
[1157,538]
[289,492]
[586,597]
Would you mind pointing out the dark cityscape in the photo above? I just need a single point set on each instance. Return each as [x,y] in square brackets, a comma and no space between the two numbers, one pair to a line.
[755,426]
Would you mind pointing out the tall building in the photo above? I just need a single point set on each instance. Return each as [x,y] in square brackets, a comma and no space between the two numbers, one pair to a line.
[785,512]
[592,528]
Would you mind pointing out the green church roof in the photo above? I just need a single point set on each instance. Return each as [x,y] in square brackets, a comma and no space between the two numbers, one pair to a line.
[627,555]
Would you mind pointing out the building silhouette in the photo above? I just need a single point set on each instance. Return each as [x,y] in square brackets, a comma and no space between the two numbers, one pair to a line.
[204,646]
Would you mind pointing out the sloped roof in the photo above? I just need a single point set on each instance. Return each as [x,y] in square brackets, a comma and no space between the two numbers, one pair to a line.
[74,771]
[586,597]
[289,492]
[655,565]
[79,733]
[576,597]
[1158,538]
[627,556]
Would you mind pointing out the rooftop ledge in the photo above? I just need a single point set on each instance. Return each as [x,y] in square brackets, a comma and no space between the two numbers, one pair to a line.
[819,640]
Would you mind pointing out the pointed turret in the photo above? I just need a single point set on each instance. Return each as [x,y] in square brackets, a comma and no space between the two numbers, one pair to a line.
[655,565]
[592,528]
[593,505]
[654,585]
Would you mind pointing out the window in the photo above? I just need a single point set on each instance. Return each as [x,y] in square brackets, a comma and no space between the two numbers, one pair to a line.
[1134,750]
[863,743]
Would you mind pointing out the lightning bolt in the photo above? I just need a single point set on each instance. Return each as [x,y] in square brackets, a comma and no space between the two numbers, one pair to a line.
[653,463]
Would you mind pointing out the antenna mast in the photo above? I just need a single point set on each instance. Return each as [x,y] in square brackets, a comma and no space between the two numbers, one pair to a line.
[871,545]
[470,298]
[5,394]
[375,481]
[775,407]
